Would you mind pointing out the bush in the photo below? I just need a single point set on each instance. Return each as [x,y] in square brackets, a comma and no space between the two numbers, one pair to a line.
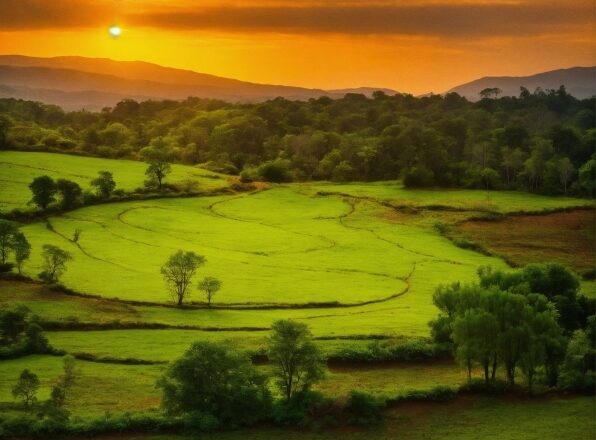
[439,393]
[6,267]
[464,243]
[418,177]
[301,409]
[480,386]
[276,171]
[364,409]
[382,351]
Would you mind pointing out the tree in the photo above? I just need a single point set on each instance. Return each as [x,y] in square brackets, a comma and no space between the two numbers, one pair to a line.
[157,157]
[178,272]
[577,371]
[22,250]
[26,388]
[211,378]
[55,260]
[12,324]
[44,190]
[565,170]
[210,286]
[8,230]
[104,183]
[296,360]
[490,178]
[70,191]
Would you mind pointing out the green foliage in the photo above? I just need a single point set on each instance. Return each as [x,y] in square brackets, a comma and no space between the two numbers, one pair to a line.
[104,183]
[577,370]
[210,286]
[178,272]
[212,379]
[54,260]
[71,193]
[364,409]
[296,360]
[26,388]
[43,189]
[491,327]
[429,141]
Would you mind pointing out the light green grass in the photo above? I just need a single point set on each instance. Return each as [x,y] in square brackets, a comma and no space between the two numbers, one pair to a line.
[119,388]
[497,201]
[18,169]
[277,246]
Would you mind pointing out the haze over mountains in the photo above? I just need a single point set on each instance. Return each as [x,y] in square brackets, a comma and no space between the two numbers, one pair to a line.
[92,83]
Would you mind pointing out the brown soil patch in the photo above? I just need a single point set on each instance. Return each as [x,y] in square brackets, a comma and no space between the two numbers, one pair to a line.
[564,237]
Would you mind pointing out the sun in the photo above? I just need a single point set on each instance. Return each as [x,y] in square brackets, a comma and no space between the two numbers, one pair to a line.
[115,31]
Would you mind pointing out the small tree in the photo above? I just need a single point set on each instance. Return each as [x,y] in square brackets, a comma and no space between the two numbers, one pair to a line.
[71,193]
[104,184]
[297,362]
[157,157]
[22,250]
[43,189]
[55,260]
[26,388]
[178,272]
[8,230]
[210,286]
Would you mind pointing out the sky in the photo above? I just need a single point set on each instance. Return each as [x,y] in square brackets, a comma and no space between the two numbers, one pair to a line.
[414,46]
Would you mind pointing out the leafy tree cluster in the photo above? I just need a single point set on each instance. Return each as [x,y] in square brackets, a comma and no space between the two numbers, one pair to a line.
[519,321]
[213,383]
[12,243]
[542,141]
[44,190]
[21,333]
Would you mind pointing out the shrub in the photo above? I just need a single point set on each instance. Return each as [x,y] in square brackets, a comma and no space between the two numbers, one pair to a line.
[364,409]
[301,409]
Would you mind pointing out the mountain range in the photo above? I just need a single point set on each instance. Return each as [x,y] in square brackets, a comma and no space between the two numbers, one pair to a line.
[94,83]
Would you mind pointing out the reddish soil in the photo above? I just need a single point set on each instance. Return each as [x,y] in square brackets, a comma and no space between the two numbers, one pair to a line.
[564,237]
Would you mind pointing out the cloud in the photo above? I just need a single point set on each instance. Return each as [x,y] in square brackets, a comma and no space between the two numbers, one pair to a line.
[434,19]
[463,19]
[18,15]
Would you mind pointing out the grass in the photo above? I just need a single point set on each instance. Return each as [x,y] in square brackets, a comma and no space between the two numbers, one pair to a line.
[472,200]
[466,418]
[274,247]
[119,388]
[18,169]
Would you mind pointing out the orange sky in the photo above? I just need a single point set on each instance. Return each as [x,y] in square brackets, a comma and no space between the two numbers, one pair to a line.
[410,45]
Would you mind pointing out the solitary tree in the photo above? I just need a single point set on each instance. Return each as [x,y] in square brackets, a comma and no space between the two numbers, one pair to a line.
[70,191]
[26,388]
[210,286]
[157,157]
[8,230]
[55,260]
[178,272]
[104,183]
[22,250]
[44,190]
[297,362]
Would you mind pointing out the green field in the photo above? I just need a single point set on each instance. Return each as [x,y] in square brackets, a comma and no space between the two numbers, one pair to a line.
[353,261]
[465,419]
[18,169]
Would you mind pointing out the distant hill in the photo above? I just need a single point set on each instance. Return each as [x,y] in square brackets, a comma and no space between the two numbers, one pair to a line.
[579,82]
[94,83]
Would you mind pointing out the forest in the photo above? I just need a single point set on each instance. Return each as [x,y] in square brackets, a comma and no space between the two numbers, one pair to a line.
[541,141]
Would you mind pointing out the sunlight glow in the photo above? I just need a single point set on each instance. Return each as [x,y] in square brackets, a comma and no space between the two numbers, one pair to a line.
[115,31]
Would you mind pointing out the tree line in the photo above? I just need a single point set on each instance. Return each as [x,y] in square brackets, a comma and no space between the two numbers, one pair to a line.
[532,321]
[541,141]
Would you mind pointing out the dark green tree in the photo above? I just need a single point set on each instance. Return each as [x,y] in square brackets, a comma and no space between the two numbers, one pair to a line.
[26,388]
[178,272]
[297,361]
[54,263]
[104,184]
[44,191]
[211,378]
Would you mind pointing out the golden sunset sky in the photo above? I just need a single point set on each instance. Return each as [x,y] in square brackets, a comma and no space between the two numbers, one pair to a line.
[412,46]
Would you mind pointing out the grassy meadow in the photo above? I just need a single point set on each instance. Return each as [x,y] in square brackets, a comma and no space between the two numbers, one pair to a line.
[353,261]
[18,169]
